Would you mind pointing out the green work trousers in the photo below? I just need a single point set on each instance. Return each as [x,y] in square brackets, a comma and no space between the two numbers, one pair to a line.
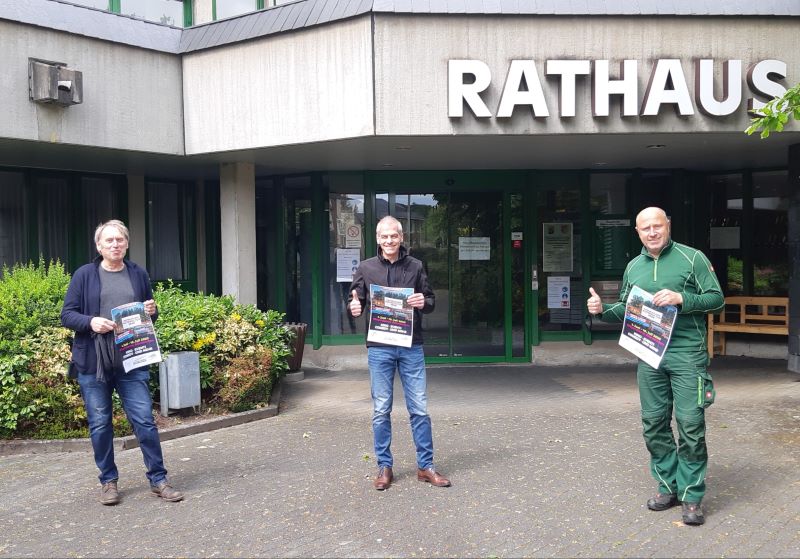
[688,388]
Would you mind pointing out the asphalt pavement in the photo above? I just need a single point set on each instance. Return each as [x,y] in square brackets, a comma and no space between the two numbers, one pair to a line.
[545,462]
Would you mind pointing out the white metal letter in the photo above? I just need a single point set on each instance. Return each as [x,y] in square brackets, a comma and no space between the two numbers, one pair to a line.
[568,70]
[657,93]
[627,86]
[731,87]
[759,82]
[512,96]
[459,91]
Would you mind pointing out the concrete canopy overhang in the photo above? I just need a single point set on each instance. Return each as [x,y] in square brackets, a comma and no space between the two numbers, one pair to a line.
[691,151]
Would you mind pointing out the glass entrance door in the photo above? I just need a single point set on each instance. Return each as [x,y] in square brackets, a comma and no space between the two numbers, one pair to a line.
[459,237]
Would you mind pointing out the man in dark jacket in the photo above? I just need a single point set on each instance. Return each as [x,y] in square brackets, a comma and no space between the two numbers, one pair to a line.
[107,282]
[682,276]
[393,267]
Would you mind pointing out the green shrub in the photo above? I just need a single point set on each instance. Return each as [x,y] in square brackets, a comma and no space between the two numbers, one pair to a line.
[188,322]
[31,297]
[242,351]
[219,330]
[32,343]
[247,382]
[58,414]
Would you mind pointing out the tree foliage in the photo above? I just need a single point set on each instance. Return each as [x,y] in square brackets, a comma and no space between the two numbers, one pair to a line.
[776,113]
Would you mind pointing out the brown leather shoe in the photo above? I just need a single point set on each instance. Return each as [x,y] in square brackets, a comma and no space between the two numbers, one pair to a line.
[433,477]
[384,479]
[109,495]
[167,492]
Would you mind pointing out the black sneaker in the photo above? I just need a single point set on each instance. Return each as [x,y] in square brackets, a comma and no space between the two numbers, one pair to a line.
[662,501]
[693,514]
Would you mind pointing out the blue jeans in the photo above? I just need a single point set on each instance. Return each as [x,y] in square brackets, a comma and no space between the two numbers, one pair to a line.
[138,404]
[410,363]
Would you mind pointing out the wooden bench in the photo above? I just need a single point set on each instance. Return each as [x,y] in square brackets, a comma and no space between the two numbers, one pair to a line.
[749,315]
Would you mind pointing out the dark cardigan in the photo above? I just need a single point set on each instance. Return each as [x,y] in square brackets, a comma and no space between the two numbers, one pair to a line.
[82,304]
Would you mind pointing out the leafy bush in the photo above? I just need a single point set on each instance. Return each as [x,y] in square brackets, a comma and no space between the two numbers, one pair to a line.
[31,297]
[32,343]
[246,385]
[242,351]
[229,337]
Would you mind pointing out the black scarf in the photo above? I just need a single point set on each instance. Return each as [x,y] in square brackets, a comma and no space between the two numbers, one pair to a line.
[106,352]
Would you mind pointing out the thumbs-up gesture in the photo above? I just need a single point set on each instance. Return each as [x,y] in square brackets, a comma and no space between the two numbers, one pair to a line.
[594,304]
[355,304]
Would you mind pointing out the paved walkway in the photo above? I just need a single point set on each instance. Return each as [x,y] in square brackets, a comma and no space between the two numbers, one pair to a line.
[545,462]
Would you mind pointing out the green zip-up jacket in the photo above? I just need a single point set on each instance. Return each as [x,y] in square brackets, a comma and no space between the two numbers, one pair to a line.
[682,269]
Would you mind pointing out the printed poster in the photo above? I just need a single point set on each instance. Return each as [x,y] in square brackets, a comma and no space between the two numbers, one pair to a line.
[135,336]
[557,247]
[558,295]
[647,328]
[391,318]
[347,260]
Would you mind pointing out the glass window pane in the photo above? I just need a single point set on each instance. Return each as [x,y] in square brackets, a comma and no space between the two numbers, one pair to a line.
[300,240]
[13,245]
[559,214]
[230,8]
[53,199]
[608,192]
[346,243]
[725,231]
[166,258]
[168,12]
[98,206]
[770,250]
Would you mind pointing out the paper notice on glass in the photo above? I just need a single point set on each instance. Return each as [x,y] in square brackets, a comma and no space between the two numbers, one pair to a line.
[474,248]
[135,336]
[558,294]
[391,318]
[557,247]
[647,328]
[346,263]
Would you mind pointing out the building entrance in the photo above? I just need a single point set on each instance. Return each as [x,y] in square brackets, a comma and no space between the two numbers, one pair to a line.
[464,242]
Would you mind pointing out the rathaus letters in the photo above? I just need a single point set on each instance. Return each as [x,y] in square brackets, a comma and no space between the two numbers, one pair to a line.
[667,85]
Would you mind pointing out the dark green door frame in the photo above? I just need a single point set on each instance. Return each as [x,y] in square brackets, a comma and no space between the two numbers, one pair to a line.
[433,182]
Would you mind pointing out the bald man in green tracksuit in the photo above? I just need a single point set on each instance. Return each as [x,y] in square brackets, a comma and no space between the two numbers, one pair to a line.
[682,276]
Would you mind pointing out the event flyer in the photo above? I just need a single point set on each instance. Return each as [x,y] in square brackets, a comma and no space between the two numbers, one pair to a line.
[135,336]
[647,328]
[391,318]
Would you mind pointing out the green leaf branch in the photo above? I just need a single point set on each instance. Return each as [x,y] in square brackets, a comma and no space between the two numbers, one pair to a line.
[773,116]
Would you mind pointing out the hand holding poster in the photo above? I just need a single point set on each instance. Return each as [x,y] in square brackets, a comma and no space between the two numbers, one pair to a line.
[647,328]
[135,336]
[391,318]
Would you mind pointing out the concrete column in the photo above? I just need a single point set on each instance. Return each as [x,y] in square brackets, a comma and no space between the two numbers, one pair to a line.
[200,230]
[237,197]
[793,242]
[137,247]
[202,11]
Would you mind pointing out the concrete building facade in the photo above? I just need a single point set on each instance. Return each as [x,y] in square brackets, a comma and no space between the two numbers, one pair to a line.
[516,141]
